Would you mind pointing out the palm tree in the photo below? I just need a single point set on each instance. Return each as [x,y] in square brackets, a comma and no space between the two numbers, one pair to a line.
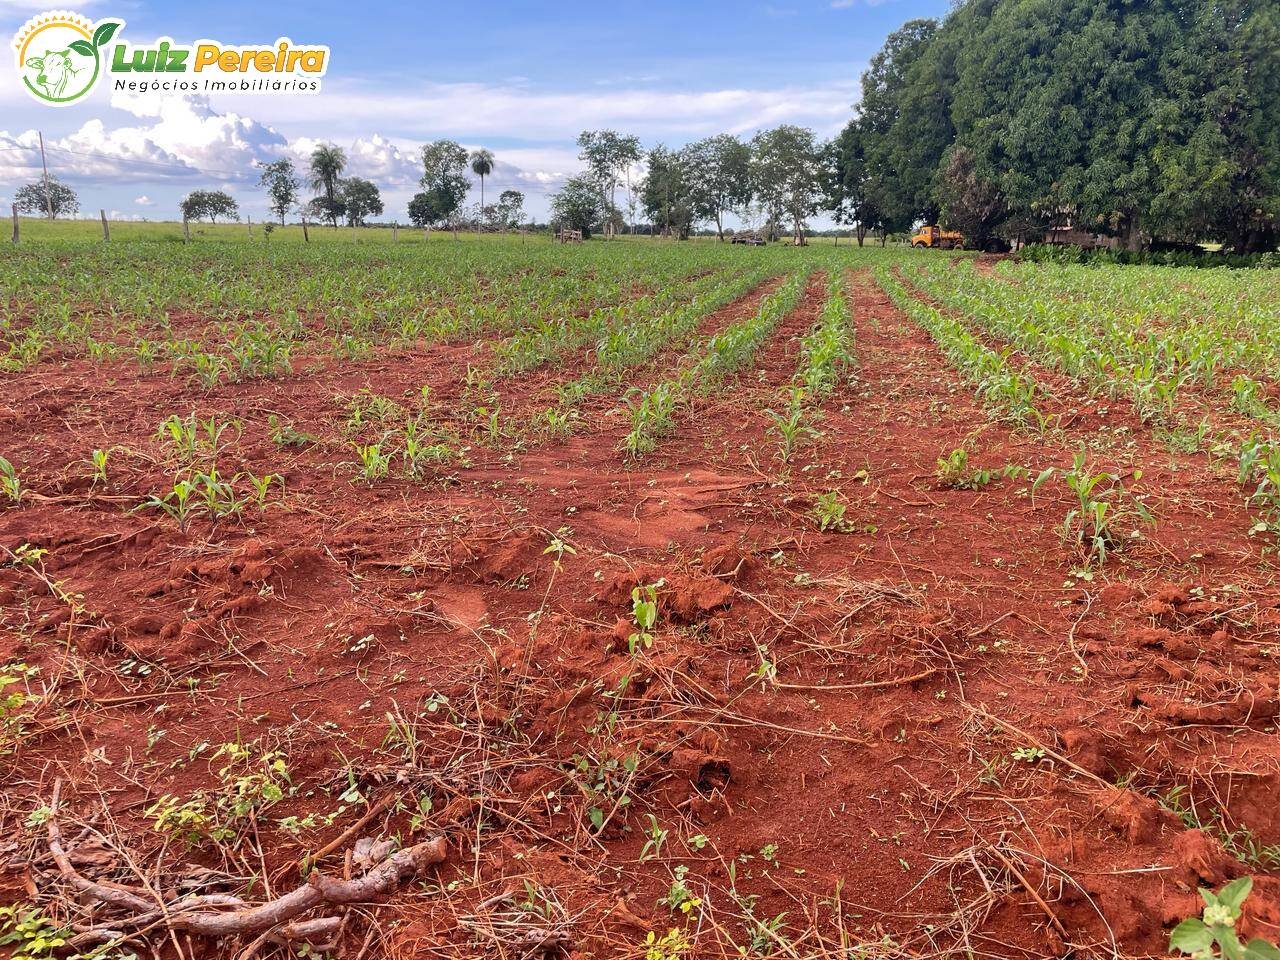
[327,164]
[482,166]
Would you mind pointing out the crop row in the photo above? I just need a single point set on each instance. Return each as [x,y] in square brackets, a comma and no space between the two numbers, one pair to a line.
[653,411]
[1115,342]
[826,355]
[997,383]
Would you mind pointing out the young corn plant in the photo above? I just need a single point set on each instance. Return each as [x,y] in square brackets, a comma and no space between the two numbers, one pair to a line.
[98,460]
[790,426]
[10,485]
[1259,465]
[1105,515]
[374,463]
[219,495]
[179,503]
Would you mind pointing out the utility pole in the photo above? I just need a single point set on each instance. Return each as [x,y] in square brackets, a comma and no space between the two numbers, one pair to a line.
[48,197]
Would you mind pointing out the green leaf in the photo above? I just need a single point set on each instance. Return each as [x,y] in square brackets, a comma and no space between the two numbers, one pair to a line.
[1233,894]
[83,47]
[104,33]
[1257,949]
[1190,936]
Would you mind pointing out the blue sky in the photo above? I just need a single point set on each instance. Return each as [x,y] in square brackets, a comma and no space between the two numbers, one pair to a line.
[520,78]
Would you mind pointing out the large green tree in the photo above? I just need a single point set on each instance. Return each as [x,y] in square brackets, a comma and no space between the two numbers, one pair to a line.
[787,176]
[47,197]
[213,204]
[282,186]
[718,170]
[1139,120]
[666,193]
[324,172]
[360,198]
[578,205]
[609,157]
[482,166]
[444,179]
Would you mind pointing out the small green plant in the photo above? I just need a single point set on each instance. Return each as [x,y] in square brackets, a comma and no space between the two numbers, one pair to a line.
[10,485]
[219,495]
[670,946]
[1212,935]
[261,488]
[373,464]
[828,512]
[285,434]
[655,839]
[179,503]
[248,782]
[606,782]
[644,612]
[16,703]
[679,896]
[955,472]
[98,459]
[790,425]
[30,935]
[1105,515]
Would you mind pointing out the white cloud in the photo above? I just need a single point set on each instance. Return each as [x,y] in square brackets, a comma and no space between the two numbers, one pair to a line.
[187,140]
[470,110]
[144,201]
[173,144]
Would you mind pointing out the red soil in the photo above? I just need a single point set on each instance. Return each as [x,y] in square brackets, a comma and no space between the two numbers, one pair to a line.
[909,659]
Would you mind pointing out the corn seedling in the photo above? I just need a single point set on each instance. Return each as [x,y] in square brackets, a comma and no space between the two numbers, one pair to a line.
[179,503]
[98,459]
[10,485]
[1105,515]
[789,426]
[373,463]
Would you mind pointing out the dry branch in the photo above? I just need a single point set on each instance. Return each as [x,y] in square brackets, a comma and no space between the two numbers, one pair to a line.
[192,914]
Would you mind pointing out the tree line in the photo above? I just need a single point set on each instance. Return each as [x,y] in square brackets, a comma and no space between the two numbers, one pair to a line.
[1007,118]
[1140,121]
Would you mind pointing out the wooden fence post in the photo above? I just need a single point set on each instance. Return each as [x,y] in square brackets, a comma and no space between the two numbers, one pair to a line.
[395,232]
[15,223]
[106,231]
[250,219]
[186,230]
[305,237]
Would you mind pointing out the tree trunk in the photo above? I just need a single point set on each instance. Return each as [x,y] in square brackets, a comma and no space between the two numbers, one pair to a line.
[1133,235]
[719,226]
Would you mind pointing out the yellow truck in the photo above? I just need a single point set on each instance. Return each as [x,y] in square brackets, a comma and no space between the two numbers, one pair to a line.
[934,236]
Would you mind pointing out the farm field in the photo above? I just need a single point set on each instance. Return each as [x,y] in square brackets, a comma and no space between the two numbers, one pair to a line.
[705,600]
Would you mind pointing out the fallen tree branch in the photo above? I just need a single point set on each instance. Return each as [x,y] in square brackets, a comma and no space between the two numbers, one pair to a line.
[191,914]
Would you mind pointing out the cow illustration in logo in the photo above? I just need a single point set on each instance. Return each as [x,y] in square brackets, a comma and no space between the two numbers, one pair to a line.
[60,55]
